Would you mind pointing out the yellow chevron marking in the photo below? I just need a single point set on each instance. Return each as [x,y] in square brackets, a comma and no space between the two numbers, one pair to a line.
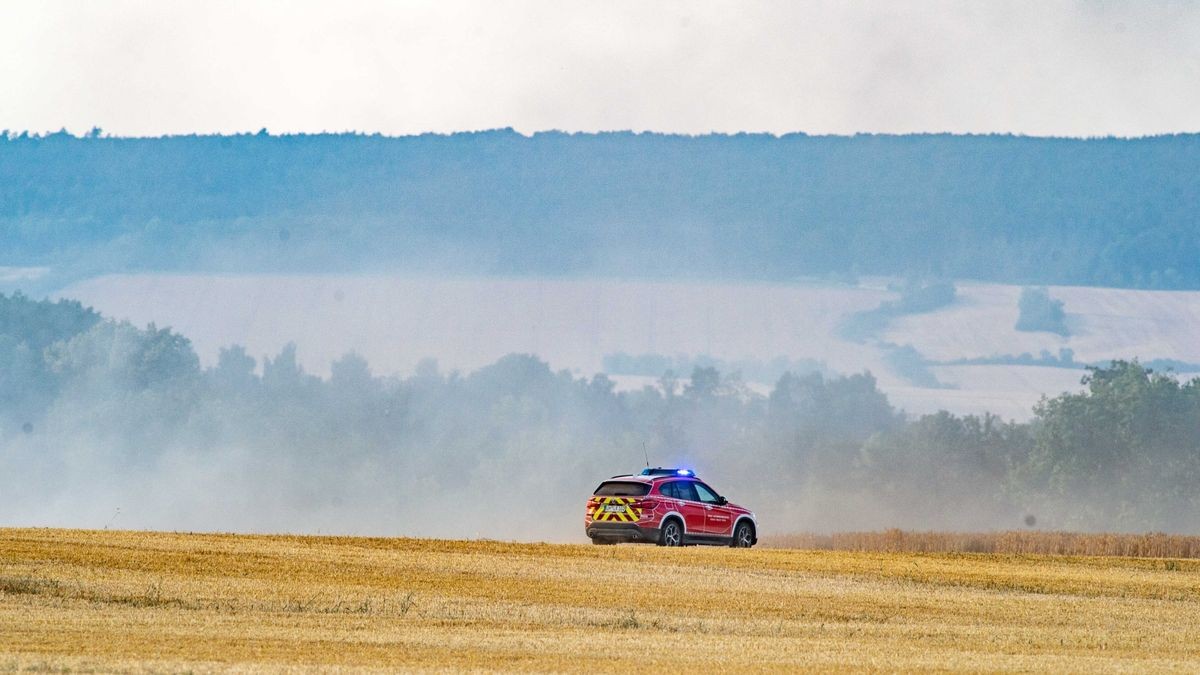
[629,515]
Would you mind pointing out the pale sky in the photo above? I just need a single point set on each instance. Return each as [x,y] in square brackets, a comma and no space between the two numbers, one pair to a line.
[164,67]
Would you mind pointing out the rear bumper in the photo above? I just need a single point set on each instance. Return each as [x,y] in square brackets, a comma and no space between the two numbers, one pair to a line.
[621,531]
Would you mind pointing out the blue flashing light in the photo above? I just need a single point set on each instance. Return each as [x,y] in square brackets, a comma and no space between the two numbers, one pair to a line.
[660,471]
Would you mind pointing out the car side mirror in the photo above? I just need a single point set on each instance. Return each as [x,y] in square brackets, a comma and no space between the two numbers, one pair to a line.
[722,501]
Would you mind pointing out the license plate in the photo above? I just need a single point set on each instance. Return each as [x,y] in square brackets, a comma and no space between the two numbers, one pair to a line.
[614,508]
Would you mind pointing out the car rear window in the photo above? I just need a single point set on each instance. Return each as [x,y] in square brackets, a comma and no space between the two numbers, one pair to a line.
[620,488]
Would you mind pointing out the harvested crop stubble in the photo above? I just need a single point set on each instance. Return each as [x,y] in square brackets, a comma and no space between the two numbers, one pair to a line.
[1150,545]
[139,601]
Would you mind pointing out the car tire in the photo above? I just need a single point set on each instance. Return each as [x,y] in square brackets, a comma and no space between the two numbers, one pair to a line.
[671,533]
[743,535]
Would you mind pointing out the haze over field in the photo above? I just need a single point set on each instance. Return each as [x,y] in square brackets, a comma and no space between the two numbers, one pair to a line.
[106,423]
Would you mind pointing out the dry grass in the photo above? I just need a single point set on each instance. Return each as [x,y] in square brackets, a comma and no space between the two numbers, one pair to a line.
[1152,545]
[131,601]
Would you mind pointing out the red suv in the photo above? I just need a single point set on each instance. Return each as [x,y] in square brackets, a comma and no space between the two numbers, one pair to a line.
[670,507]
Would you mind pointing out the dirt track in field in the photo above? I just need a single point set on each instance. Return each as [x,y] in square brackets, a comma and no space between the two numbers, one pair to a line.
[135,601]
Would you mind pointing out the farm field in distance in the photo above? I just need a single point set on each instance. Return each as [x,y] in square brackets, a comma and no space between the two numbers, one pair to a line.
[394,322]
[74,600]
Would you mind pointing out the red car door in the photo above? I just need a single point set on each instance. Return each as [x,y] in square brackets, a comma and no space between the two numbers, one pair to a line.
[688,504]
[717,518]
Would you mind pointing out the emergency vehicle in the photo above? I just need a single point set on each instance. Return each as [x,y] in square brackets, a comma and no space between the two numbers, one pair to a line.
[668,507]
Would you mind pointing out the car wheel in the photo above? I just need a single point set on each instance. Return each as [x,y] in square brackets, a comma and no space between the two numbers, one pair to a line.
[743,536]
[671,534]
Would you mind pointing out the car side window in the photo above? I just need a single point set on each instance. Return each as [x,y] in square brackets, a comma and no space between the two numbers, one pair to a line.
[706,494]
[668,490]
[687,490]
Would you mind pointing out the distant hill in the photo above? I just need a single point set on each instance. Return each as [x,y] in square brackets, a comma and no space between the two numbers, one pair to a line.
[1112,212]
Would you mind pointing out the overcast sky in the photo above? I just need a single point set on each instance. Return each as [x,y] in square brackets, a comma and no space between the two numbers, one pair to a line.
[1041,68]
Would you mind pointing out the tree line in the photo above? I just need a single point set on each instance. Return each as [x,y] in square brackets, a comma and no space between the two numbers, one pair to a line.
[99,417]
[1009,209]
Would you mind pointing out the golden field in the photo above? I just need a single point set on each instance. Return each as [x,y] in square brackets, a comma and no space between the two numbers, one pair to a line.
[81,601]
[1148,545]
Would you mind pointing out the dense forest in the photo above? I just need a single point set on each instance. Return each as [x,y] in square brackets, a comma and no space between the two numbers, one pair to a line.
[1105,211]
[106,424]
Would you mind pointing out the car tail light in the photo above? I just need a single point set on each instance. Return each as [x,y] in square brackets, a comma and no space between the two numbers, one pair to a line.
[645,504]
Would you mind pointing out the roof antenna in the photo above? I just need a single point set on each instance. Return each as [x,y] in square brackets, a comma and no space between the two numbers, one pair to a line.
[646,454]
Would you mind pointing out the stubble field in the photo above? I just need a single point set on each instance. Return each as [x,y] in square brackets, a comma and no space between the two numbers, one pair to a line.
[134,601]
